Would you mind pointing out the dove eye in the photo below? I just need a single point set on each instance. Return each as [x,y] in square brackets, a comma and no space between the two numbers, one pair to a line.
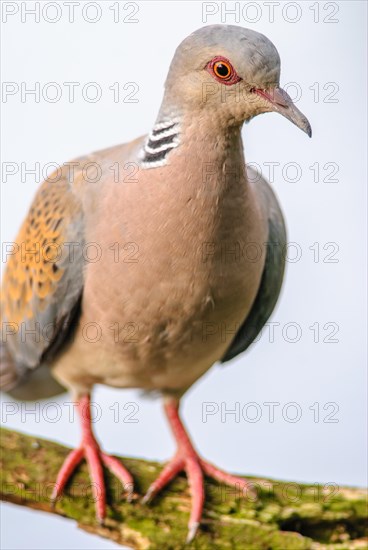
[223,71]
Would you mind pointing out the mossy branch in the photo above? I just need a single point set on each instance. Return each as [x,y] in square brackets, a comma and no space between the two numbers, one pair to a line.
[286,516]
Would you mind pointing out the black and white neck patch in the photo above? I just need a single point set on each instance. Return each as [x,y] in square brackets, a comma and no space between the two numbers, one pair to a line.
[163,138]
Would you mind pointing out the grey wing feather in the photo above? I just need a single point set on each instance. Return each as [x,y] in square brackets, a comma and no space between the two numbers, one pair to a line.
[272,276]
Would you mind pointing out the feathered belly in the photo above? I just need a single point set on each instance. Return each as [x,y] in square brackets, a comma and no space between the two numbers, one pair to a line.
[165,303]
[164,325]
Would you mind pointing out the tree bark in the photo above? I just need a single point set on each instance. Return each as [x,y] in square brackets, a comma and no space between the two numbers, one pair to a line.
[285,516]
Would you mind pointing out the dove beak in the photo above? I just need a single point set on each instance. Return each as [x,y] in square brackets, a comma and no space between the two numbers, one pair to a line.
[282,103]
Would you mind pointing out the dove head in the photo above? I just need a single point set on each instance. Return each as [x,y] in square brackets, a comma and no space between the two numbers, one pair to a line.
[229,74]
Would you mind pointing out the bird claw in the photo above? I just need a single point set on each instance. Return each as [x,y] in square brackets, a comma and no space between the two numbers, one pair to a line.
[192,531]
[131,495]
[195,468]
[148,496]
[95,458]
[100,521]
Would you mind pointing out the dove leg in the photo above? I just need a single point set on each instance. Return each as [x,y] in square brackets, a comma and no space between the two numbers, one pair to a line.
[90,450]
[187,459]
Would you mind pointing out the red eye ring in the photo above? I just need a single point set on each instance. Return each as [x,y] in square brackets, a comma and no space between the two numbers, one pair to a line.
[222,70]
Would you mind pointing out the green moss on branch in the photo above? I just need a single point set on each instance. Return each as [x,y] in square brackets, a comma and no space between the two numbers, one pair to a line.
[286,515]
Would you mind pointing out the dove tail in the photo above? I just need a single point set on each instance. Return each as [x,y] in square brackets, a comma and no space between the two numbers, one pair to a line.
[26,384]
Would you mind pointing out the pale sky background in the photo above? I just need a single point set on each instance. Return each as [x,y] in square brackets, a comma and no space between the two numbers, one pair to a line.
[327,61]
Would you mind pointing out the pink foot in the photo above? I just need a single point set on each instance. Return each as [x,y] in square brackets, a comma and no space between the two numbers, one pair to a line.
[90,450]
[188,460]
